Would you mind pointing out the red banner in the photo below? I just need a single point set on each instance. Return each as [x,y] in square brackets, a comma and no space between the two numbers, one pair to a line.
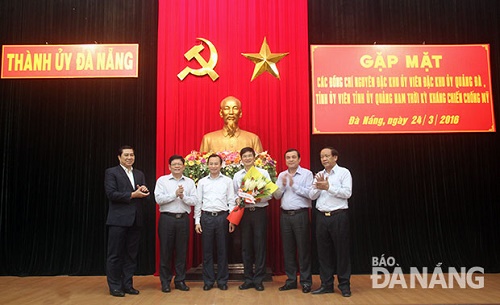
[70,61]
[401,88]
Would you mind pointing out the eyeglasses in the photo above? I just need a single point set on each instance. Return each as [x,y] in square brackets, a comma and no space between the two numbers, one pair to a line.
[177,164]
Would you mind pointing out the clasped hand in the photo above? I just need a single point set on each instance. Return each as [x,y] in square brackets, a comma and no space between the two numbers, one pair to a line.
[180,192]
[140,192]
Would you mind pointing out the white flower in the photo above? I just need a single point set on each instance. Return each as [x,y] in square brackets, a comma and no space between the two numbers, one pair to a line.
[261,184]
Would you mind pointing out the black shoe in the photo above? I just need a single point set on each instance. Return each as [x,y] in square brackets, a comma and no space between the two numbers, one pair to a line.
[323,289]
[131,290]
[207,287]
[117,293]
[259,287]
[181,286]
[306,288]
[222,286]
[246,286]
[346,293]
[288,287]
[165,289]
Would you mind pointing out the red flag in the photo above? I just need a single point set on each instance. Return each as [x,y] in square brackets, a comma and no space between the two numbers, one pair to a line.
[198,37]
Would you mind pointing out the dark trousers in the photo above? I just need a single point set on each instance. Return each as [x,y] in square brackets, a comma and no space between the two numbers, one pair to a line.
[123,246]
[174,235]
[253,244]
[215,232]
[333,239]
[296,237]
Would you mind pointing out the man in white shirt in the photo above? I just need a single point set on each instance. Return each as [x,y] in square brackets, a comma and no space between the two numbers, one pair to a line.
[332,188]
[175,194]
[215,198]
[253,227]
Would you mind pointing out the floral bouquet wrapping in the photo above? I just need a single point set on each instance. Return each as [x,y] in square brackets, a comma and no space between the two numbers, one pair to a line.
[253,187]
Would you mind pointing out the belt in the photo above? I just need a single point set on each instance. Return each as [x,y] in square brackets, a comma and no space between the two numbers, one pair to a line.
[293,212]
[253,209]
[214,213]
[176,215]
[331,213]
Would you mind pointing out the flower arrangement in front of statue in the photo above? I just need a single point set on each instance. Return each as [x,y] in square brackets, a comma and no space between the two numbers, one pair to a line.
[197,168]
[231,163]
[196,165]
[264,160]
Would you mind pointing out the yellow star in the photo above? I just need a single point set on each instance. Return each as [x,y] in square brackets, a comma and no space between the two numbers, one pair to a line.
[265,61]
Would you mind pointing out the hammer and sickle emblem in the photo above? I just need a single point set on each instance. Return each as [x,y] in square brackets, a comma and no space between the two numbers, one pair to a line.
[206,67]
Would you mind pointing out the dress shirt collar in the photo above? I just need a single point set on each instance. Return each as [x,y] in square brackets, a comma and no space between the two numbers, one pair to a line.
[218,176]
[334,169]
[126,169]
[171,177]
[299,171]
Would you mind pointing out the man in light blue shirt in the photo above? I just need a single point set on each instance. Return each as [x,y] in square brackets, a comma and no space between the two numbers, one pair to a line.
[294,186]
[215,198]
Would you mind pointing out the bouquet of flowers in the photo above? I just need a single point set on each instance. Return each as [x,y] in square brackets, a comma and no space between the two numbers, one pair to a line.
[197,167]
[253,187]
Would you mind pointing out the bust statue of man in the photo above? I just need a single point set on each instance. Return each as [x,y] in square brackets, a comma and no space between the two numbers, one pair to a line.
[230,137]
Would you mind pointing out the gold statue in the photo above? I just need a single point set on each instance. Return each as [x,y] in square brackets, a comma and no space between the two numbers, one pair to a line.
[230,137]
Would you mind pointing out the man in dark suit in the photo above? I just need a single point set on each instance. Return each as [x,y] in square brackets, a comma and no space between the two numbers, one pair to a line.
[126,190]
